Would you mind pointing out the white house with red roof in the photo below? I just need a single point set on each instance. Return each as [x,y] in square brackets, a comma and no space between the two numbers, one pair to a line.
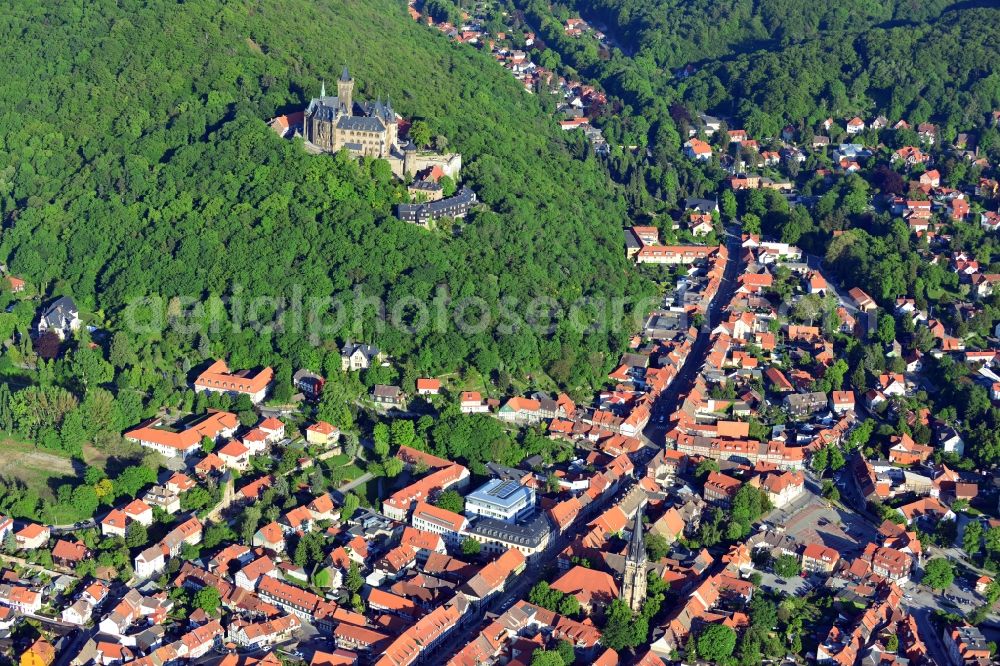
[697,149]
[273,428]
[139,511]
[428,386]
[471,402]
[235,455]
[842,401]
[32,536]
[114,523]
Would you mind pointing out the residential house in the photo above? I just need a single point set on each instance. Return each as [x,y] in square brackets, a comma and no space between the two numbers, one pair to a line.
[322,433]
[966,646]
[842,401]
[931,178]
[20,598]
[428,386]
[61,317]
[863,301]
[889,563]
[32,536]
[523,411]
[248,577]
[41,653]
[904,451]
[471,402]
[697,149]
[235,455]
[162,497]
[309,383]
[150,561]
[78,613]
[388,397]
[493,578]
[356,356]
[802,405]
[68,553]
[783,488]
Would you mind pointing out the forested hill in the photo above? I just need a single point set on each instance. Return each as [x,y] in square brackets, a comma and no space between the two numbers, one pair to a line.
[888,61]
[134,160]
[941,70]
[676,32]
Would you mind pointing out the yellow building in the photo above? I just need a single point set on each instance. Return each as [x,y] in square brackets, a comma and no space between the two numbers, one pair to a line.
[41,653]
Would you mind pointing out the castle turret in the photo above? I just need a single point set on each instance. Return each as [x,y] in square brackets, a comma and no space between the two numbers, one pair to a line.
[345,91]
[410,158]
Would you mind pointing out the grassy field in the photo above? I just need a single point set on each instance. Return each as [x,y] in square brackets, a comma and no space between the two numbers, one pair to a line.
[45,470]
[36,468]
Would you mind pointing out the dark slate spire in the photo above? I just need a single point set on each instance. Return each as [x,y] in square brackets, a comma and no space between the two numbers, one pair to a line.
[345,75]
[637,541]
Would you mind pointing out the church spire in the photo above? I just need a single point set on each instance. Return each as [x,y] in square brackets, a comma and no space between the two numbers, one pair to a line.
[637,540]
[633,590]
[322,89]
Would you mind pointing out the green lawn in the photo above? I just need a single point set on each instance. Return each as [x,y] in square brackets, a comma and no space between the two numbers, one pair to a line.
[351,467]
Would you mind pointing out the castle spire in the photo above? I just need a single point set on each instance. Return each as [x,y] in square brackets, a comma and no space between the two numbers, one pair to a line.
[322,89]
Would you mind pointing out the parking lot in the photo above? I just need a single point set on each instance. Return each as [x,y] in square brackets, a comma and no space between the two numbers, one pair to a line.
[811,519]
[795,586]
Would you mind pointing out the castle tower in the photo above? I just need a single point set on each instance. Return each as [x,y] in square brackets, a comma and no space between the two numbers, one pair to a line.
[634,579]
[410,159]
[345,91]
[391,128]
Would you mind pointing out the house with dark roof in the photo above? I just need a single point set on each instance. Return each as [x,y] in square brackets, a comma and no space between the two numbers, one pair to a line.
[358,356]
[388,397]
[61,317]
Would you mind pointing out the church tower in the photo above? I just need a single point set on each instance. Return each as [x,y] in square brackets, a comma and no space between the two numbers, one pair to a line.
[345,91]
[634,580]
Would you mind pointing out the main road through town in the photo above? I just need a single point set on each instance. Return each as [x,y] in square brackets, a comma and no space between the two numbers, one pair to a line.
[681,385]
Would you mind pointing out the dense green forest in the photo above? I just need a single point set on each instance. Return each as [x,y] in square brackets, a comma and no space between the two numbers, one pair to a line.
[136,162]
[924,63]
[676,32]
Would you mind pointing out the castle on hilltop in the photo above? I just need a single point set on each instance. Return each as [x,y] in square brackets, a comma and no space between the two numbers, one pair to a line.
[366,129]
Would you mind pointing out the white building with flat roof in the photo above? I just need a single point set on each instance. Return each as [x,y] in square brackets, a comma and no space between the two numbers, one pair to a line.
[505,500]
